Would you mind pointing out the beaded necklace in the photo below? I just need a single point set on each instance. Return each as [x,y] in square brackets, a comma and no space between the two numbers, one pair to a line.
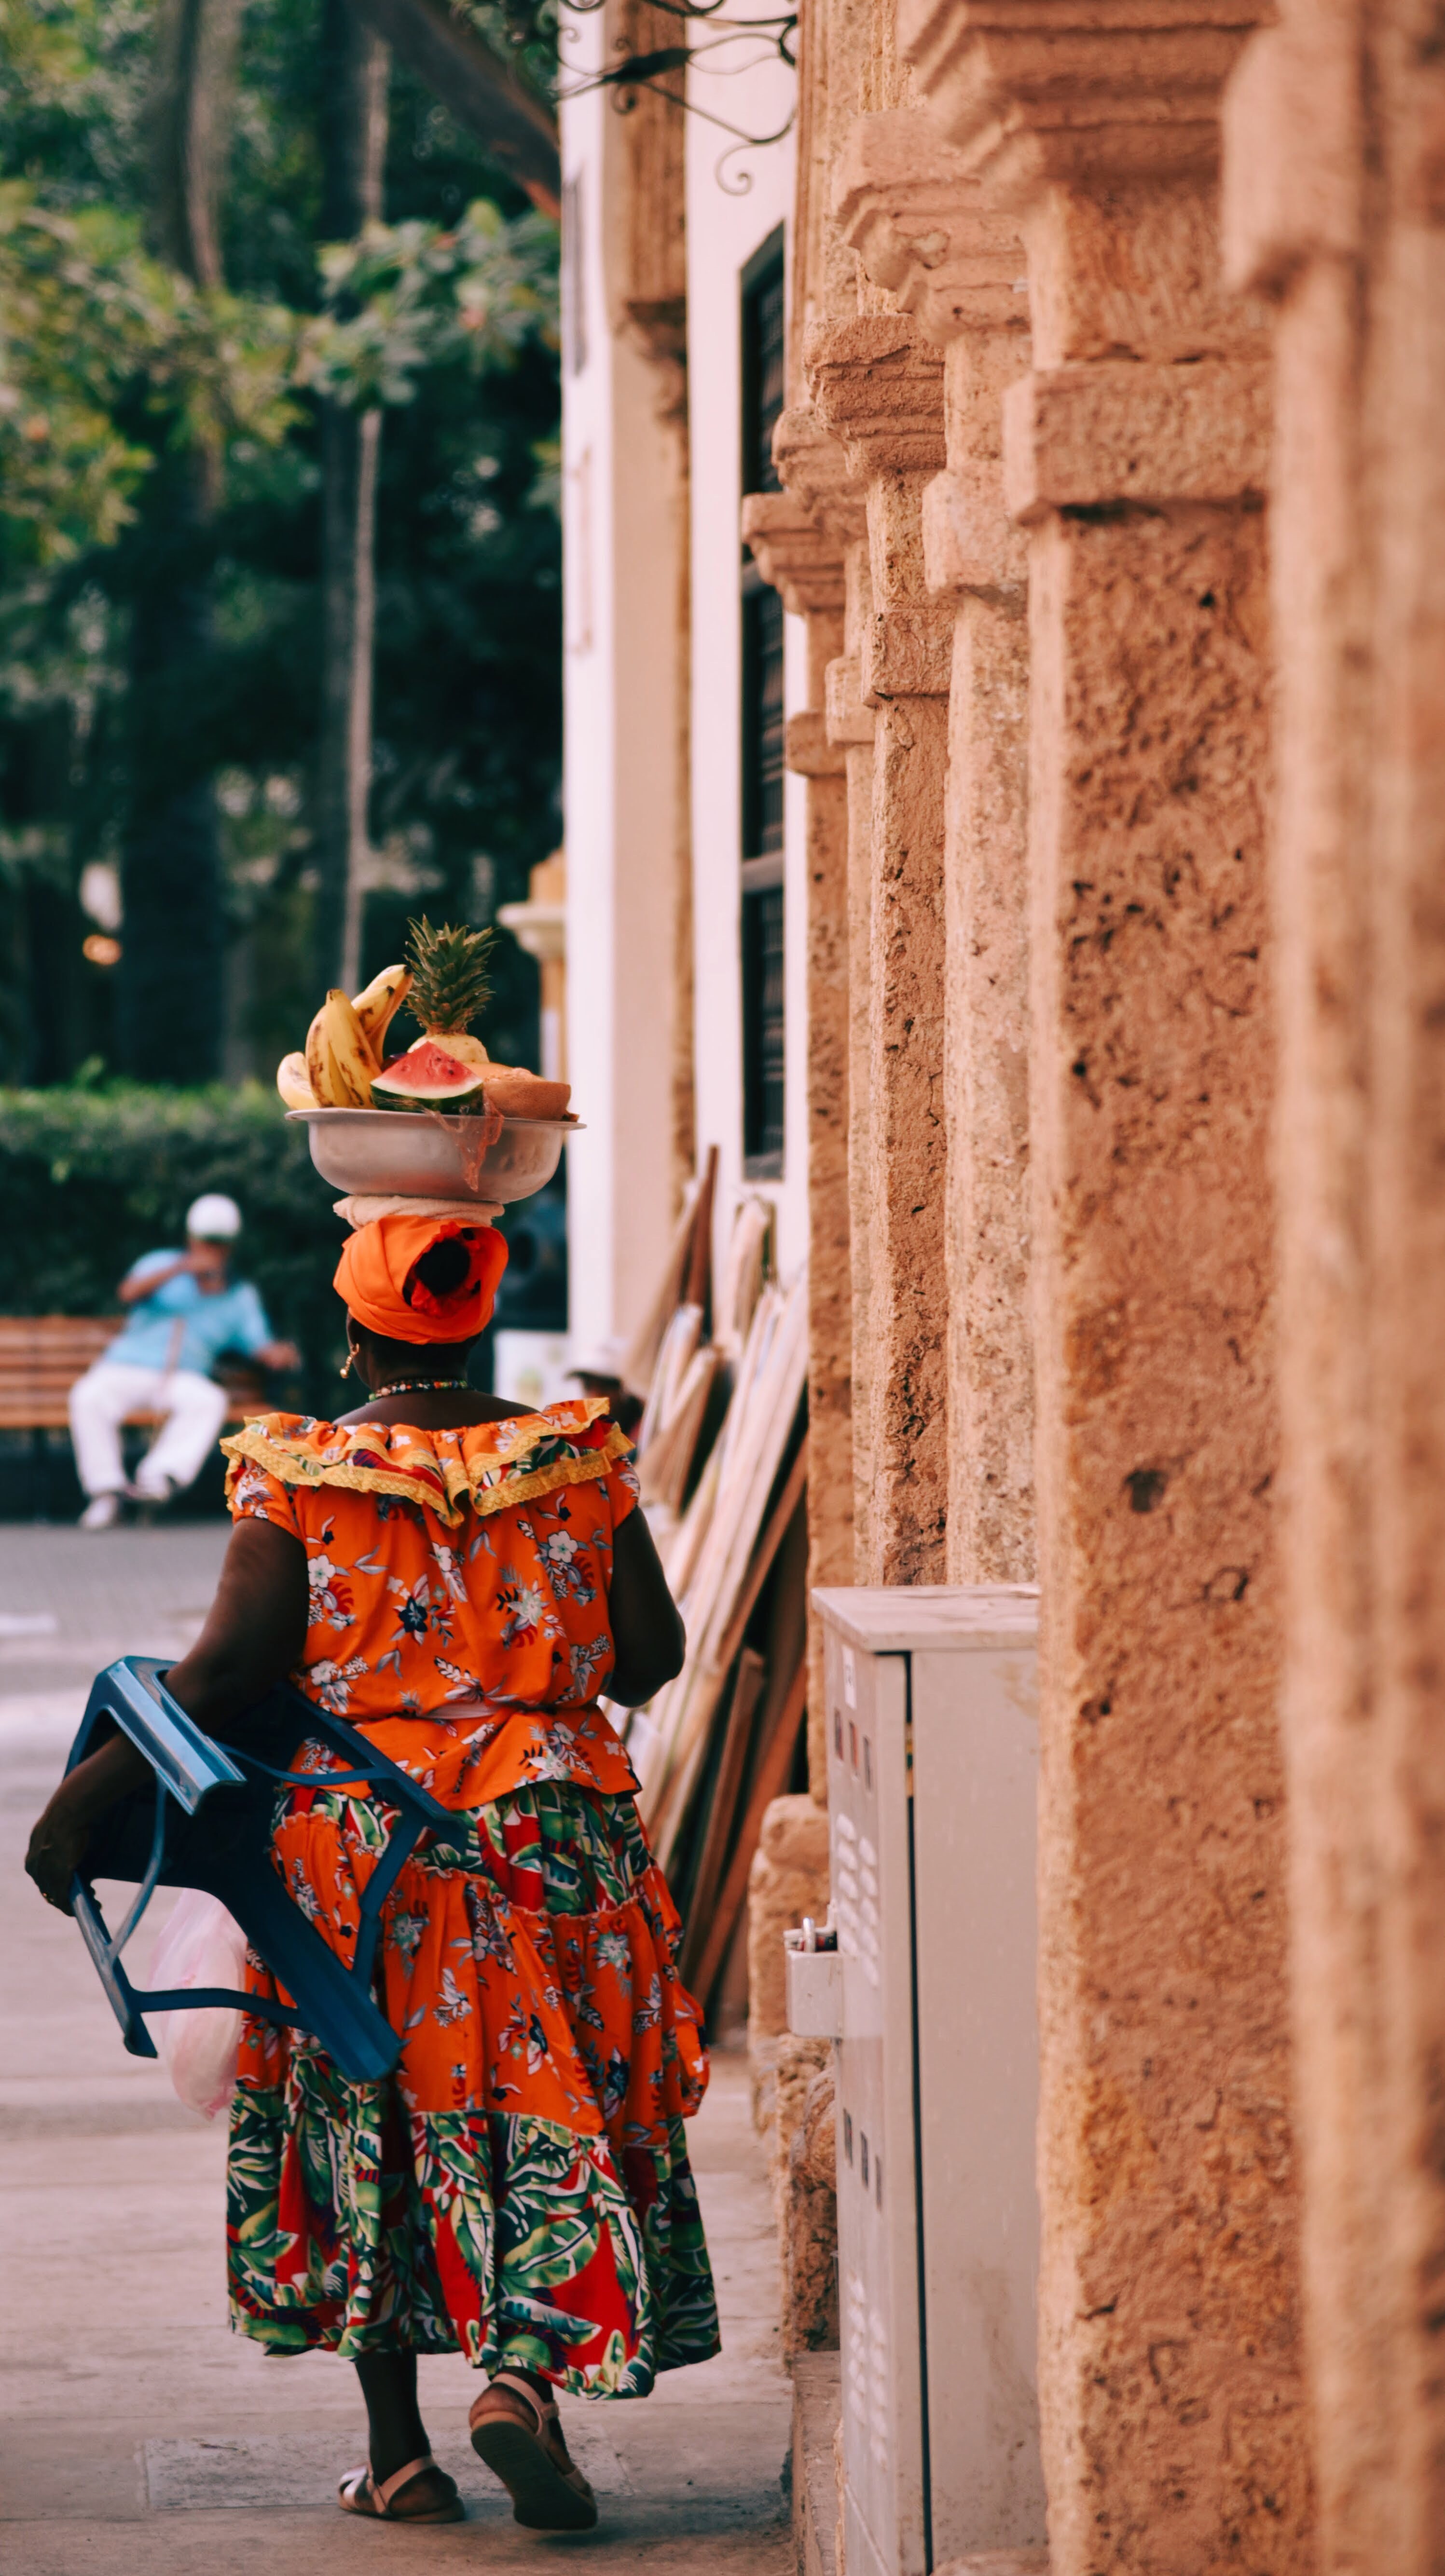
[417,1386]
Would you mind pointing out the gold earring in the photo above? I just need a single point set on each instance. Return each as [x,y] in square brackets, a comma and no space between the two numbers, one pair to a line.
[346,1364]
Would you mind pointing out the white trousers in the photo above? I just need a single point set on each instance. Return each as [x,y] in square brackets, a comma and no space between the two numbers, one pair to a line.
[194,1408]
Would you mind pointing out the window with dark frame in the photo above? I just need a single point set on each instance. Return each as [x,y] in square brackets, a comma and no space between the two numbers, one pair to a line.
[761,924]
[762,719]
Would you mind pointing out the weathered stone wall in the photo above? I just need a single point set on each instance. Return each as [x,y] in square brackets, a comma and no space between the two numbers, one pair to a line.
[904,200]
[878,389]
[810,542]
[793,2078]
[1334,208]
[1060,629]
[1141,1011]
[1170,2378]
[805,564]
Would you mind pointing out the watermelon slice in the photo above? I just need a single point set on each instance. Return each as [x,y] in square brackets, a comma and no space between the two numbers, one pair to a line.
[427,1077]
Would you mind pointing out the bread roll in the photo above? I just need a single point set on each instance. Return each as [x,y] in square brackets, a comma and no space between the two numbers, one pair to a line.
[519,1094]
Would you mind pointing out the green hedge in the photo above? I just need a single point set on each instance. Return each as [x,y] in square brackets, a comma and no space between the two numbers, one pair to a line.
[90,1178]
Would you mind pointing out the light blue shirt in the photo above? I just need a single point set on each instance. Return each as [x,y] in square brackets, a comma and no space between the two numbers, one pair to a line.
[233,1320]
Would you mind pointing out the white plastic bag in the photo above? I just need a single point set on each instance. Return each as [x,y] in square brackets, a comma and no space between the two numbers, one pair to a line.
[200,1945]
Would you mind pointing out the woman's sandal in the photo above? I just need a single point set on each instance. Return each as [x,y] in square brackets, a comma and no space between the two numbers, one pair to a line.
[360,2492]
[520,2438]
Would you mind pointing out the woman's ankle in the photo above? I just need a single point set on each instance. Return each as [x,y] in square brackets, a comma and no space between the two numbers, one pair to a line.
[541,2387]
[396,2431]
[391,2451]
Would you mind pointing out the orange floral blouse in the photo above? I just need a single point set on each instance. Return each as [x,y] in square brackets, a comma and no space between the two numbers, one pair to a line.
[459,1587]
[459,1578]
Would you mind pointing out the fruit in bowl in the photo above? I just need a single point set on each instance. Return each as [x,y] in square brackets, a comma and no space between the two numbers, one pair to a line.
[428,1076]
[446,982]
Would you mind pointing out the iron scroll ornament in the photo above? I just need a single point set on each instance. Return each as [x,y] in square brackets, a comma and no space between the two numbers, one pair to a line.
[649,71]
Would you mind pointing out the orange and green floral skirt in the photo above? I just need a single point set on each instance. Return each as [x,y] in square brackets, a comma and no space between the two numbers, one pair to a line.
[519,2189]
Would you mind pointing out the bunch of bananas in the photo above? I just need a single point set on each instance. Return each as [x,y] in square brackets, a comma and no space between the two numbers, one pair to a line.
[344,1046]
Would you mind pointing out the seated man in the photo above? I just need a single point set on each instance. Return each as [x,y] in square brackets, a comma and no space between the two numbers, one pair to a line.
[187,1310]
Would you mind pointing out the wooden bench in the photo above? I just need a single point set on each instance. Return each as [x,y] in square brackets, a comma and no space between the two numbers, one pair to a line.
[41,1356]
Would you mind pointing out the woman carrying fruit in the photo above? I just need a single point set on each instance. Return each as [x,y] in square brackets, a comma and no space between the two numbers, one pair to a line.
[460,1582]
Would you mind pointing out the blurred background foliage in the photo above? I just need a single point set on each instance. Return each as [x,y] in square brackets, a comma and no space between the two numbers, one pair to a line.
[161,576]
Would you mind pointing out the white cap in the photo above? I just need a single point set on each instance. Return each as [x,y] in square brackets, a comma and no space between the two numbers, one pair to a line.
[214,1217]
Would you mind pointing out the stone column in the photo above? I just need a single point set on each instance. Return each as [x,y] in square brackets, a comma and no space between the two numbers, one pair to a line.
[835,39]
[802,539]
[1136,453]
[911,210]
[816,474]
[878,388]
[804,562]
[1333,207]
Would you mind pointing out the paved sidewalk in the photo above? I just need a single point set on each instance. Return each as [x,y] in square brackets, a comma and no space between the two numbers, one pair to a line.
[140,2438]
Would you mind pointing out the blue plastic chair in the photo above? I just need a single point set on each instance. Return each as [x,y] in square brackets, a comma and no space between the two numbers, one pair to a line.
[209,1826]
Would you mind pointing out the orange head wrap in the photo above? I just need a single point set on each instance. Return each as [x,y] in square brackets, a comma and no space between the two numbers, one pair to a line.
[377,1277]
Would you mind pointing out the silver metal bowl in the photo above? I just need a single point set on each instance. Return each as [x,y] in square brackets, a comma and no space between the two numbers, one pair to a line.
[404,1153]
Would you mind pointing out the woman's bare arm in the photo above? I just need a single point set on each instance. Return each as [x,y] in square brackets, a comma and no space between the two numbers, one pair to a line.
[255,1630]
[647,1633]
[254,1634]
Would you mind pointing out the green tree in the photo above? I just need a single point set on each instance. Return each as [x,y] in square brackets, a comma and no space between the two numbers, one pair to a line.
[446,320]
[171,989]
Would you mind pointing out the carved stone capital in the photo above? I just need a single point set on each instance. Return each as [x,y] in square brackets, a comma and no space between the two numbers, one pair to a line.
[878,385]
[1078,436]
[800,558]
[813,467]
[906,653]
[1085,92]
[807,748]
[847,718]
[906,202]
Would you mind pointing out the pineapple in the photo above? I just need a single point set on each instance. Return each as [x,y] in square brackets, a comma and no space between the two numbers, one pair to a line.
[450,985]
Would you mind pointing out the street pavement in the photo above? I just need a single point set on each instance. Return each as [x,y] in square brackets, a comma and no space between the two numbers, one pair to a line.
[140,2437]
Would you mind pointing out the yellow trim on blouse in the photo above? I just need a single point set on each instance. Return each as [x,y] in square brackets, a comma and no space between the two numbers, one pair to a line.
[483,1467]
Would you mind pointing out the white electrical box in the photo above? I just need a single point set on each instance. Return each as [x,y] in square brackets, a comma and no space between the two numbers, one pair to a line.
[932,1793]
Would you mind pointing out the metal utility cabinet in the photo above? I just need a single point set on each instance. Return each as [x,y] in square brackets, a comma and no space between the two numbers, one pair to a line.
[932,1782]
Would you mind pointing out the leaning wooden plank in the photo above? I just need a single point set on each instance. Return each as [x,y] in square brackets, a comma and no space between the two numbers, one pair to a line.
[773,1403]
[697,1286]
[694,1558]
[761,1565]
[750,1364]
[685,1545]
[779,1388]
[687,1725]
[709,1672]
[745,1440]
[772,1779]
[722,1814]
[666,1464]
[641,1356]
[681,1719]
[742,1272]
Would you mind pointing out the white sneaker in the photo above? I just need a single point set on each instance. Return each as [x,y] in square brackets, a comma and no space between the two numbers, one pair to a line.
[156,1491]
[102,1513]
